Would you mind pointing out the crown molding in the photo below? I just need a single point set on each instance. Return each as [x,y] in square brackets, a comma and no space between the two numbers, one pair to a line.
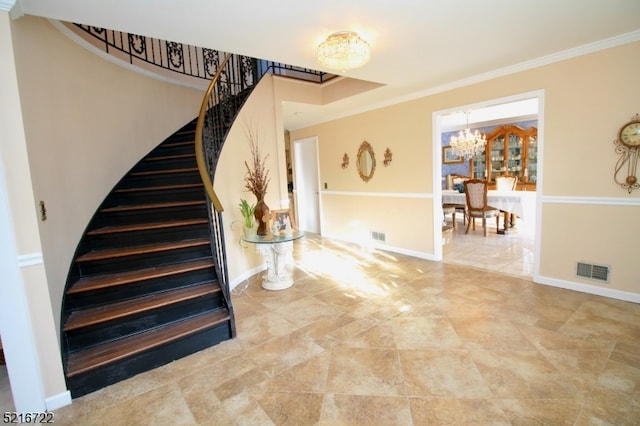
[596,46]
[14,7]
[6,5]
[619,40]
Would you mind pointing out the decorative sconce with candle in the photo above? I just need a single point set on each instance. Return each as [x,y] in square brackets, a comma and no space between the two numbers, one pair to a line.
[345,161]
[387,157]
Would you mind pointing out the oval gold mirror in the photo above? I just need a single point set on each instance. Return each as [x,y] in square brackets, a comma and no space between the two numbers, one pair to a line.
[366,161]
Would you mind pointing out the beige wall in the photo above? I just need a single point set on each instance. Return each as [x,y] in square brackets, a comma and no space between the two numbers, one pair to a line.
[258,117]
[570,237]
[395,201]
[586,100]
[87,121]
[27,320]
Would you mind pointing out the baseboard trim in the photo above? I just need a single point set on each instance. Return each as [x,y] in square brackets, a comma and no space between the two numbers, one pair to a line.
[373,245]
[589,289]
[57,401]
[245,276]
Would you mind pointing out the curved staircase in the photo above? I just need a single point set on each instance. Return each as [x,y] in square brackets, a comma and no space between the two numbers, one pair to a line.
[143,289]
[148,282]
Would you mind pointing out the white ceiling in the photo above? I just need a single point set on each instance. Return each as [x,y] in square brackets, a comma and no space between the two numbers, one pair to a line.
[418,47]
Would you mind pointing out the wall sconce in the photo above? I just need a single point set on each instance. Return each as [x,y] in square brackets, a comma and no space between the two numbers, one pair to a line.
[345,161]
[387,157]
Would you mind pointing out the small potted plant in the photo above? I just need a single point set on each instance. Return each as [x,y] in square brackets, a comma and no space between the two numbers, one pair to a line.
[248,216]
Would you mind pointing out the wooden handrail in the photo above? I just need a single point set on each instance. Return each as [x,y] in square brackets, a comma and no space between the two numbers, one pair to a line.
[202,168]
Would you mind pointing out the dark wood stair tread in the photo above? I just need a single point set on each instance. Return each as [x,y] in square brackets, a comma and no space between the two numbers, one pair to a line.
[134,250]
[99,314]
[160,187]
[169,157]
[146,226]
[173,144]
[132,207]
[101,355]
[165,171]
[110,280]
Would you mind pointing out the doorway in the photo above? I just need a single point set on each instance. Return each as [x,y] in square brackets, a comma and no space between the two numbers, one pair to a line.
[306,187]
[516,254]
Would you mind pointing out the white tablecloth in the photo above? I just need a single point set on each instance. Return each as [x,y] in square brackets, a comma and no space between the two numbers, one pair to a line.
[508,201]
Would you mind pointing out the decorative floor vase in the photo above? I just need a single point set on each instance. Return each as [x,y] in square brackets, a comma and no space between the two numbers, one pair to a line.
[262,215]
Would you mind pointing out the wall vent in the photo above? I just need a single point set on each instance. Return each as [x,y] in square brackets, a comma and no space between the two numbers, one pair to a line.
[378,236]
[594,272]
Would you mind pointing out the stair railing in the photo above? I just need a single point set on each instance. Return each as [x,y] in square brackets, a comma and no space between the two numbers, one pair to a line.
[195,64]
[208,102]
[234,79]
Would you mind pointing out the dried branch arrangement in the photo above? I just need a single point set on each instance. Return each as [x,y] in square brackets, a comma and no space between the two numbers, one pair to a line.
[257,176]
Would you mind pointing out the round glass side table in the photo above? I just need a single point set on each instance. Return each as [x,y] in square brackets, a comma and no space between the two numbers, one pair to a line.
[277,251]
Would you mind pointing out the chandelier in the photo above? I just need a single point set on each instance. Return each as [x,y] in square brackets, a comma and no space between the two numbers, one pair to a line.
[343,51]
[468,144]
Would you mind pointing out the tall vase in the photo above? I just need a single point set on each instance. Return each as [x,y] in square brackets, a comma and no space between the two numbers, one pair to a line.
[262,215]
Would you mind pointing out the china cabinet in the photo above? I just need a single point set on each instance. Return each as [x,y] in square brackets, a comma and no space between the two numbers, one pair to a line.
[510,150]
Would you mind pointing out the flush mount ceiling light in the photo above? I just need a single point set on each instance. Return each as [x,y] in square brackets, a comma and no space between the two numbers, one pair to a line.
[343,51]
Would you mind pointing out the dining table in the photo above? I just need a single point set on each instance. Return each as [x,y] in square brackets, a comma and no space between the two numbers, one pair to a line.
[512,203]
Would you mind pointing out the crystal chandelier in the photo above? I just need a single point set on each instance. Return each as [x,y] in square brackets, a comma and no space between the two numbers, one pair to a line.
[468,144]
[343,51]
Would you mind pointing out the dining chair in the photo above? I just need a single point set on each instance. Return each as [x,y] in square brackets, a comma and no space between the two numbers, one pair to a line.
[506,183]
[476,194]
[453,181]
[449,209]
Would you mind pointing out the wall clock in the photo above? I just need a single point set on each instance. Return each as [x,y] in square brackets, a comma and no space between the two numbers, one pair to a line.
[628,147]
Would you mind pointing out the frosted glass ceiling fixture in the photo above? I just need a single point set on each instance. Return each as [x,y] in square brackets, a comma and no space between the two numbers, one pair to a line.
[468,144]
[343,51]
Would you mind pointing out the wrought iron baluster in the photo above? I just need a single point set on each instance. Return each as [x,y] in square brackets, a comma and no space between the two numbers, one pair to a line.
[193,61]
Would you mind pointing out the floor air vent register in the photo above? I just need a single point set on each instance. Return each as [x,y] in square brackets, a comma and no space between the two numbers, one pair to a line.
[594,272]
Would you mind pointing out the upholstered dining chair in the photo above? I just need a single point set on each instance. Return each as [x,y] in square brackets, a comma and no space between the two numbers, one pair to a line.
[453,180]
[506,183]
[476,194]
[449,209]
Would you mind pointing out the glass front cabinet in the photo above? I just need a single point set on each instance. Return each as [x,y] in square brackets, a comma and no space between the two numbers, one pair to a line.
[510,151]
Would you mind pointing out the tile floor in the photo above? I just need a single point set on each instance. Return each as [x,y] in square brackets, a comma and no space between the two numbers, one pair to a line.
[511,254]
[374,338]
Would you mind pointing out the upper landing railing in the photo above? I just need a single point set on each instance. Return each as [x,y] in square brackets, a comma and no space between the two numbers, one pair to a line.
[178,59]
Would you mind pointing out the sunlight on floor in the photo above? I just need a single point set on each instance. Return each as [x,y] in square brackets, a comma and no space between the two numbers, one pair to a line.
[343,264]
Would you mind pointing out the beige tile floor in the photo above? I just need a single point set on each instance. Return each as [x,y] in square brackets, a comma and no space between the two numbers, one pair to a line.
[511,254]
[373,338]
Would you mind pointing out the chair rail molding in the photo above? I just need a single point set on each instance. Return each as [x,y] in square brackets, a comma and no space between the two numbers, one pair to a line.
[380,194]
[30,259]
[598,201]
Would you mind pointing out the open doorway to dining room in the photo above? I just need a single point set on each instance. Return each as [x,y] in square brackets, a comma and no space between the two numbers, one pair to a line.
[514,252]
